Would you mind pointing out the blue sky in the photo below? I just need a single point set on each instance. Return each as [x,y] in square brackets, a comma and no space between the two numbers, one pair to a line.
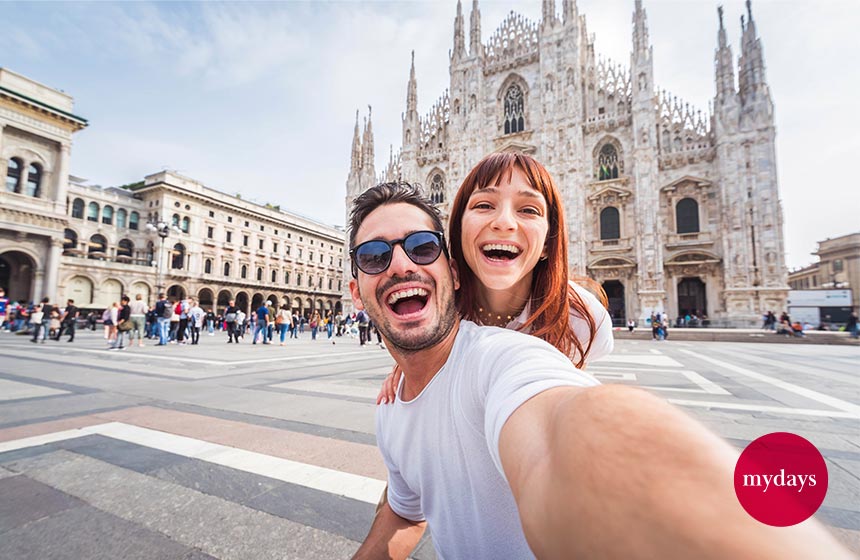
[260,98]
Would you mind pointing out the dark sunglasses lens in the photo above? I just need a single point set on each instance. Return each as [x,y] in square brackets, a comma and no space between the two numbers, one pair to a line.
[373,257]
[423,247]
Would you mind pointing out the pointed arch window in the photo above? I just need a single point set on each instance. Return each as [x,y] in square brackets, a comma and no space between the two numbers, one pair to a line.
[437,189]
[34,180]
[107,215]
[121,218]
[13,175]
[178,260]
[78,209]
[608,164]
[687,216]
[610,223]
[514,110]
[93,212]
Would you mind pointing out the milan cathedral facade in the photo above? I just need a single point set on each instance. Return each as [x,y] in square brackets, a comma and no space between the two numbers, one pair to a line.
[670,209]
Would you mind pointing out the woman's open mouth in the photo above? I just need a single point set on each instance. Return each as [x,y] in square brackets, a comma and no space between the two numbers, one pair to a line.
[500,252]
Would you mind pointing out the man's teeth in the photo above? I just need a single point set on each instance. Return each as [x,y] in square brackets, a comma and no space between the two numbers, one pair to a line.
[500,247]
[397,296]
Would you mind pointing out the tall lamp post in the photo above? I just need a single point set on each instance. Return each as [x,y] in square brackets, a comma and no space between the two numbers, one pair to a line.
[162,229]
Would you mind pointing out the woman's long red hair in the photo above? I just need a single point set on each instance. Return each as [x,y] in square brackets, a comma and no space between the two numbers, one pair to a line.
[550,318]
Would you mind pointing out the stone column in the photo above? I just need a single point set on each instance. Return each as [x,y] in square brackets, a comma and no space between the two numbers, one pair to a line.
[61,178]
[52,269]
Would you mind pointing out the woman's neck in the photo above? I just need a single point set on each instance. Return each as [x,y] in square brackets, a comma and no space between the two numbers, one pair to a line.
[499,307]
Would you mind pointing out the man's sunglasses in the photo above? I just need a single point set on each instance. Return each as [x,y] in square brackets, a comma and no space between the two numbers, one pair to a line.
[374,257]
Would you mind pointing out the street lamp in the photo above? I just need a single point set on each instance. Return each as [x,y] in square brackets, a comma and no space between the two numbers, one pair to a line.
[163,229]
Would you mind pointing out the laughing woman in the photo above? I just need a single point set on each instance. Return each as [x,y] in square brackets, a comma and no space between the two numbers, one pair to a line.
[509,240]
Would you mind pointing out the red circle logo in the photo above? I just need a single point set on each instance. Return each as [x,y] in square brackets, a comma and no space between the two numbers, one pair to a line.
[781,479]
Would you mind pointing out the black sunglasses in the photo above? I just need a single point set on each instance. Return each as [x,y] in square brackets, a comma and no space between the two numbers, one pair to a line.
[374,256]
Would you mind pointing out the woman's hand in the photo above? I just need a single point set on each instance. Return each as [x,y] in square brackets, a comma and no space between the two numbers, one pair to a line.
[389,386]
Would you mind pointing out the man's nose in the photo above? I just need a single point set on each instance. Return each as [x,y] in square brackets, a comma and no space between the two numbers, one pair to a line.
[401,265]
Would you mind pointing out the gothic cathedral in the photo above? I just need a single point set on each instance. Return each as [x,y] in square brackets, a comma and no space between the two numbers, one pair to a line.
[669,209]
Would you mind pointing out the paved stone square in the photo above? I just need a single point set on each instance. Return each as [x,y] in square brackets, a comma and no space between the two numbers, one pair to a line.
[239,451]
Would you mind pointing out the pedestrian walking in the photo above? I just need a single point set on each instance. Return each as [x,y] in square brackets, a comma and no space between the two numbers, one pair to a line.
[262,325]
[68,320]
[164,313]
[40,319]
[363,321]
[230,316]
[138,309]
[196,316]
[123,324]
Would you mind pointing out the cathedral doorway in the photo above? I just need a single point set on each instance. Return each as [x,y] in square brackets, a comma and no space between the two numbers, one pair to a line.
[615,294]
[691,298]
[16,276]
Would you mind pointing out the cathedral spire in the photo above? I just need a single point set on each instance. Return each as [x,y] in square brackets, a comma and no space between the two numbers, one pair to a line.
[412,89]
[475,46]
[724,68]
[569,11]
[367,155]
[640,29]
[355,162]
[751,76]
[459,34]
[549,17]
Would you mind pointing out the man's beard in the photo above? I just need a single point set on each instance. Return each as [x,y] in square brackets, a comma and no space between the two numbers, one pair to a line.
[412,338]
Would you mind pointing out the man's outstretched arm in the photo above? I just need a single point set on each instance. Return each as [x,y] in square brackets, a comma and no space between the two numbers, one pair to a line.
[614,472]
[390,536]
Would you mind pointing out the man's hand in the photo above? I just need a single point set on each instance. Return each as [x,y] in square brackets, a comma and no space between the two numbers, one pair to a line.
[614,472]
[390,536]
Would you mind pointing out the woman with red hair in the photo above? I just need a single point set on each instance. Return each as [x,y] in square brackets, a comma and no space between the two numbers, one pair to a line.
[508,237]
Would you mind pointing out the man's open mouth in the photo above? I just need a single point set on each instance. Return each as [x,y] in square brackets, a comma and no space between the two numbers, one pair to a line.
[500,251]
[408,301]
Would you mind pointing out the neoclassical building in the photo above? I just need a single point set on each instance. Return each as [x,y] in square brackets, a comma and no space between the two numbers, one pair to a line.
[669,208]
[62,238]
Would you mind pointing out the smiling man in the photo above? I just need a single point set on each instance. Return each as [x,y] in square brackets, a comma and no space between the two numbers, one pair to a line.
[506,450]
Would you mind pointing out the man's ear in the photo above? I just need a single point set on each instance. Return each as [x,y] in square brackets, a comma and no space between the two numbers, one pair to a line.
[455,273]
[356,295]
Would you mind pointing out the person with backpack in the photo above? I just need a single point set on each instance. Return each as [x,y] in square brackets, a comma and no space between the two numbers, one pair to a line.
[163,312]
[181,310]
[230,316]
[363,327]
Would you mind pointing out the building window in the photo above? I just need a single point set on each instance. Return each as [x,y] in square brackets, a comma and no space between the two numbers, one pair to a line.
[259,274]
[107,215]
[133,220]
[121,218]
[34,180]
[244,271]
[610,226]
[175,221]
[211,213]
[261,243]
[687,216]
[437,189]
[838,266]
[207,266]
[93,212]
[274,276]
[514,110]
[13,175]
[97,247]
[177,262]
[186,224]
[310,256]
[247,223]
[229,219]
[70,240]
[287,277]
[210,232]
[229,237]
[125,248]
[245,240]
[299,279]
[607,163]
[274,247]
[287,250]
[330,283]
[262,228]
[300,252]
[226,269]
[78,209]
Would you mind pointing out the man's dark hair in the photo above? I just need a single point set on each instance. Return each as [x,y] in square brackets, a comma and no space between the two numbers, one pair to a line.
[390,193]
[125,298]
[160,296]
[71,302]
[46,299]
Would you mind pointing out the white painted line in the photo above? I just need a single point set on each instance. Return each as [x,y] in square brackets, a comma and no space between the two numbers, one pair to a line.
[639,360]
[674,389]
[763,408]
[350,485]
[330,388]
[620,376]
[838,404]
[16,390]
[707,385]
[654,351]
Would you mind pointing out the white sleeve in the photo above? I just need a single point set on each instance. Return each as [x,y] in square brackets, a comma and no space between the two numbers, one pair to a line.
[603,342]
[520,370]
[402,500]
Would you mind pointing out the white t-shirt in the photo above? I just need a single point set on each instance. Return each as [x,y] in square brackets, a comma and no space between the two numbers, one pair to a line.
[603,342]
[442,447]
